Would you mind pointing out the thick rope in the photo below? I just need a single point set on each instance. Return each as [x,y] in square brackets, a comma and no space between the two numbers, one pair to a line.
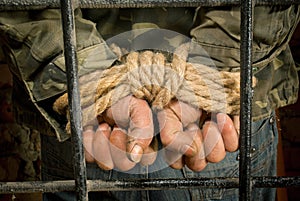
[147,75]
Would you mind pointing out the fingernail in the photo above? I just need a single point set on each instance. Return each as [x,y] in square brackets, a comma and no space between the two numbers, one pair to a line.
[136,154]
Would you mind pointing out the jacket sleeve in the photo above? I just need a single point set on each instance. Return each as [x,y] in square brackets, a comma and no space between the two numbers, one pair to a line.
[33,45]
[218,33]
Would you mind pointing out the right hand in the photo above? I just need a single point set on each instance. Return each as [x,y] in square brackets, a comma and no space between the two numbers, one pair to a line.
[186,144]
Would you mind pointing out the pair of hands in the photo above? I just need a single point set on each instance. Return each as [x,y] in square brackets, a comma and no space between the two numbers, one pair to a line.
[125,136]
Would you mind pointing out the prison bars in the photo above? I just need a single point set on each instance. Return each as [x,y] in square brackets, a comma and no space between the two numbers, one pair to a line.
[81,185]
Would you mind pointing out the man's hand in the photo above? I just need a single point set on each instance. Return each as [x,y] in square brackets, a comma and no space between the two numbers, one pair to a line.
[124,136]
[186,144]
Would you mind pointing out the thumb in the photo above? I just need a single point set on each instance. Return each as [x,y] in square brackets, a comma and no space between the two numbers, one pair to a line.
[140,131]
[133,115]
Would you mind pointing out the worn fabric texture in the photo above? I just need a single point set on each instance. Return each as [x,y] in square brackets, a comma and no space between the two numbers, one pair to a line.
[36,59]
[273,65]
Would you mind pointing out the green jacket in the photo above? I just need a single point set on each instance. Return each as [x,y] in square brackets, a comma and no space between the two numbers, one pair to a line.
[33,45]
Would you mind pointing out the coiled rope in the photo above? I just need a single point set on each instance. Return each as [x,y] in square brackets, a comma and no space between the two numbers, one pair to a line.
[147,75]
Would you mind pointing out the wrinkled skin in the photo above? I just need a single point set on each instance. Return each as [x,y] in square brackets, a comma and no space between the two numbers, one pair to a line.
[187,144]
[125,136]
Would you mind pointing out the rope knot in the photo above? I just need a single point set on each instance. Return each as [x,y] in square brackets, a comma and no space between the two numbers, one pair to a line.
[150,76]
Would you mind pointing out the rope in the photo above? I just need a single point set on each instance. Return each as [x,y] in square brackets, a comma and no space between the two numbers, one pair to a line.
[148,75]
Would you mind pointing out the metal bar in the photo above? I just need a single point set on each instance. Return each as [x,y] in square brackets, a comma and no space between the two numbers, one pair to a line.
[145,184]
[41,4]
[246,99]
[36,186]
[245,182]
[279,182]
[162,184]
[69,35]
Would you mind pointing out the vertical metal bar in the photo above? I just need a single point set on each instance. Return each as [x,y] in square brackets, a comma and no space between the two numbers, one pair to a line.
[245,184]
[74,98]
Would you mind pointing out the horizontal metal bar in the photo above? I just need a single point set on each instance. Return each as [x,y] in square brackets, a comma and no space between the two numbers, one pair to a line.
[279,182]
[145,184]
[41,4]
[36,186]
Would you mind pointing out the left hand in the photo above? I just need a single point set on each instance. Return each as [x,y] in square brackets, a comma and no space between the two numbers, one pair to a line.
[124,136]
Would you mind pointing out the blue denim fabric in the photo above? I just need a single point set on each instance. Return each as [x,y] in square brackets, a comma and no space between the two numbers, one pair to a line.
[264,142]
[57,165]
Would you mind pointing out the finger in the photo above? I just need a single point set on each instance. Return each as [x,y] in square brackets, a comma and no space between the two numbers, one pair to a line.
[197,162]
[174,159]
[118,141]
[228,130]
[135,115]
[213,142]
[185,112]
[172,135]
[88,135]
[101,147]
[118,113]
[178,141]
[141,131]
[150,153]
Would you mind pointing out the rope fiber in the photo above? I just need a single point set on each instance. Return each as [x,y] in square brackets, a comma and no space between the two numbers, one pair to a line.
[148,75]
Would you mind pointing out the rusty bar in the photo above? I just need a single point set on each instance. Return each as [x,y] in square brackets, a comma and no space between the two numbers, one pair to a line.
[36,186]
[276,182]
[145,184]
[41,4]
[69,36]
[246,99]
[81,185]
[162,184]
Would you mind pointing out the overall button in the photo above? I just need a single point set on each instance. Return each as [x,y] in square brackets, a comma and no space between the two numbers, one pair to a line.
[272,120]
[252,151]
[238,157]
